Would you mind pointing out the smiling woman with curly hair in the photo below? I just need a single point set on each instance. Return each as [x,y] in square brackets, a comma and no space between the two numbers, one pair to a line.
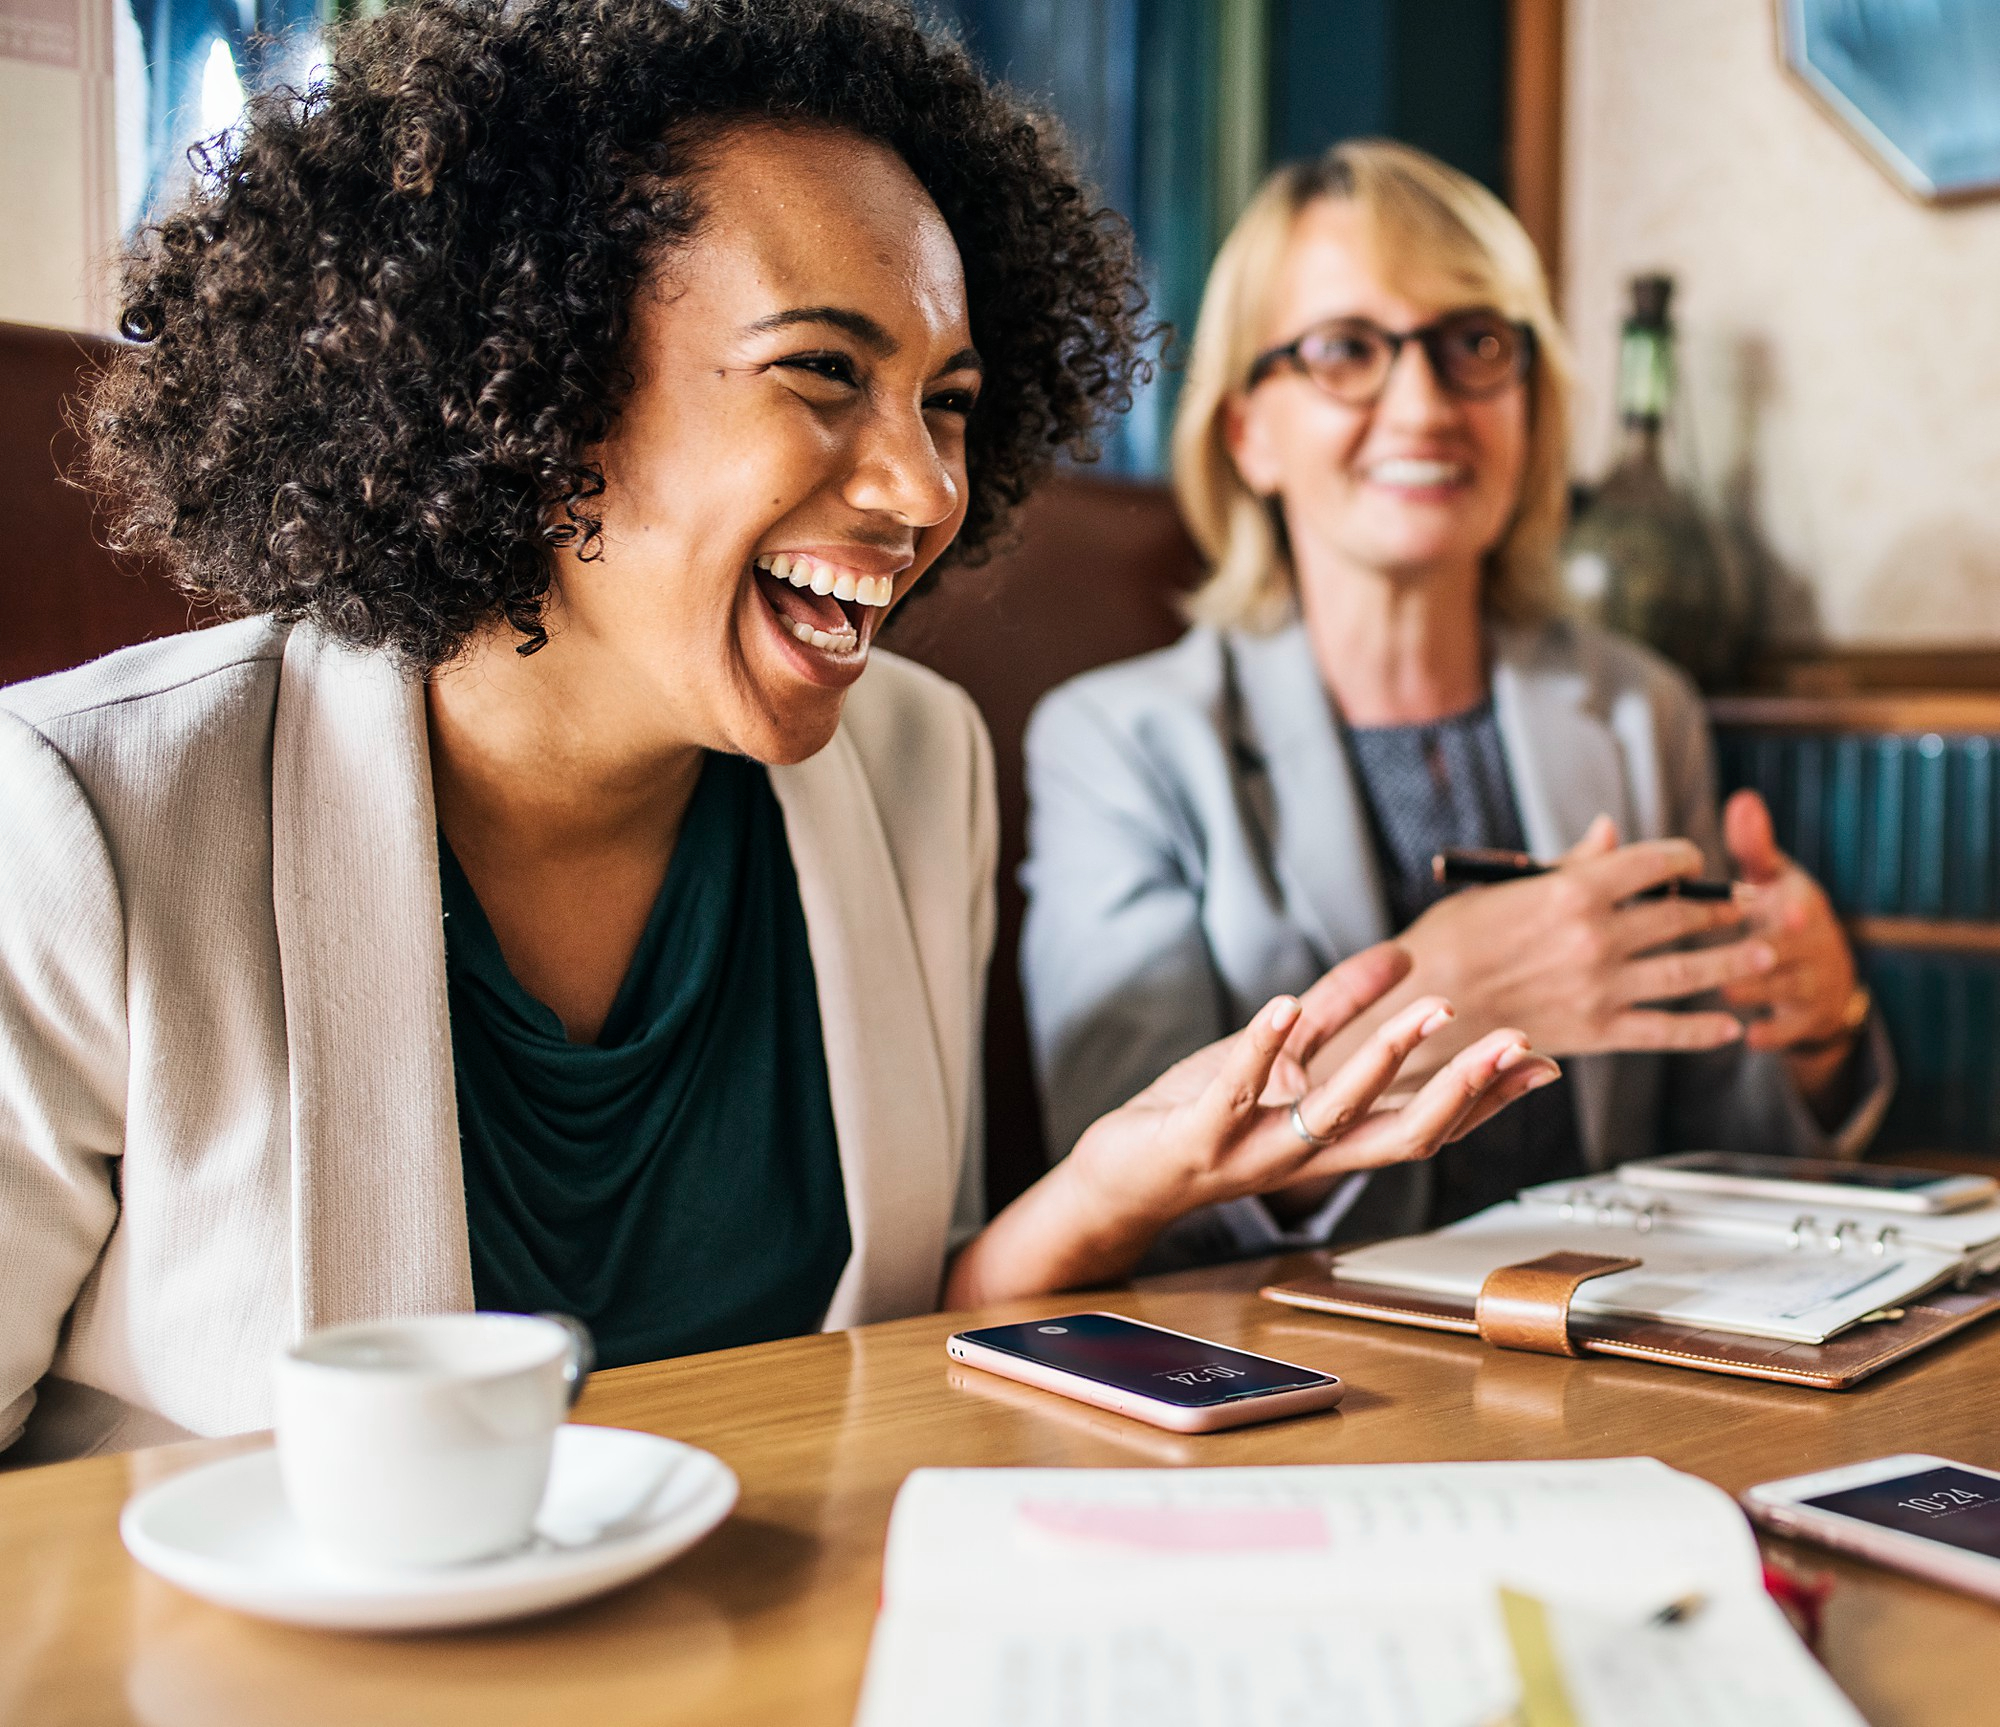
[528,901]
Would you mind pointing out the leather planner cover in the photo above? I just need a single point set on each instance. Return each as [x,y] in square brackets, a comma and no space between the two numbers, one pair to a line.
[1835,1365]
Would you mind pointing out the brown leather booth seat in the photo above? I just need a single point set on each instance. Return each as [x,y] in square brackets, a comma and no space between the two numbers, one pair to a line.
[62,598]
[1091,577]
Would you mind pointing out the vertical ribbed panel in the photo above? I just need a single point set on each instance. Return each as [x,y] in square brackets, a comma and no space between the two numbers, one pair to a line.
[1902,826]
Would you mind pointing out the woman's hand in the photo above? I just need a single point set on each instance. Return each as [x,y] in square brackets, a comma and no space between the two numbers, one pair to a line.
[1218,1126]
[1581,963]
[1572,958]
[1804,999]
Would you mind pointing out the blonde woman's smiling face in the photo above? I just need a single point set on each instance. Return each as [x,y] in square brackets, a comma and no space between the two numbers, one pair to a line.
[1420,480]
[792,457]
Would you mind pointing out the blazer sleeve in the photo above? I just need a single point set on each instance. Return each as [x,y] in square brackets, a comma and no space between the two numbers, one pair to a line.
[63,1055]
[1739,1099]
[1115,968]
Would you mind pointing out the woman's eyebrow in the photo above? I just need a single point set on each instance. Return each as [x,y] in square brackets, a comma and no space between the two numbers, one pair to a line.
[859,325]
[965,360]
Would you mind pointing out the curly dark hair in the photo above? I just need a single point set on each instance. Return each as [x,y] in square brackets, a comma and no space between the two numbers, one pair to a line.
[382,333]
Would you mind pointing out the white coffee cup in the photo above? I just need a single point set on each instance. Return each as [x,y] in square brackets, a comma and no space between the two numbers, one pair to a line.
[414,1442]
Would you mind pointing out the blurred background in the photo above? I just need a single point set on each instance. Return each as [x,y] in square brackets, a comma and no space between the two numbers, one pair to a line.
[1813,178]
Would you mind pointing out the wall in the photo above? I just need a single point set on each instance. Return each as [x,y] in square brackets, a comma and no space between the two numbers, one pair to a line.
[58,161]
[1841,356]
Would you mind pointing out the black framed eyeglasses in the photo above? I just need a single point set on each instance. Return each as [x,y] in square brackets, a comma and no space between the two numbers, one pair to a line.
[1472,354]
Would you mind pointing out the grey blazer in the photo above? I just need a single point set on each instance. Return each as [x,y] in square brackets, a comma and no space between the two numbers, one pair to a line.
[1197,843]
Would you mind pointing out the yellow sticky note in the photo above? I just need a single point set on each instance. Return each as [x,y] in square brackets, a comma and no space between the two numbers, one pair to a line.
[1544,1698]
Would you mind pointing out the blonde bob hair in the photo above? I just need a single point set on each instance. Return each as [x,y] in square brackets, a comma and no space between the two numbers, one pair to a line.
[1431,225]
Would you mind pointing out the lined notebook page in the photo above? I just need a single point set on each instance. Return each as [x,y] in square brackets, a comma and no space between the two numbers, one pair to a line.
[1362,1596]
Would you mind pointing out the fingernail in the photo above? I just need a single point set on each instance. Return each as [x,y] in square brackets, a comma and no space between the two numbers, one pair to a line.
[1512,1056]
[1766,958]
[1283,1013]
[1437,1021]
[1542,1079]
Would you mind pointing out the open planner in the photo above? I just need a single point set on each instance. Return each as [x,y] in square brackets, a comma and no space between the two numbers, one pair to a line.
[1396,1595]
[1805,1291]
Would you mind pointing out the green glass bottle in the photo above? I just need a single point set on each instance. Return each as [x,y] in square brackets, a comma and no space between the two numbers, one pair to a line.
[1642,556]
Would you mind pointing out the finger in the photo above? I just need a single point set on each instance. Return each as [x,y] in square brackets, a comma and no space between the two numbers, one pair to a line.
[1750,839]
[1634,868]
[1288,1079]
[1642,1029]
[1348,989]
[1234,1092]
[1787,1025]
[1794,983]
[1672,976]
[1423,1124]
[1508,1087]
[1600,839]
[1648,924]
[1364,1075]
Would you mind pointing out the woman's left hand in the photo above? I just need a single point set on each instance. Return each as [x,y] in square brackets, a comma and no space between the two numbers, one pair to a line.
[1219,1126]
[1802,1003]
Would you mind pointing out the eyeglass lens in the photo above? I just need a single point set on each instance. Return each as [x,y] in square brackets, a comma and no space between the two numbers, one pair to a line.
[1472,354]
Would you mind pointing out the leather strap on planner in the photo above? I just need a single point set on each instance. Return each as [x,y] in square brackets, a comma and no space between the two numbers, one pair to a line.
[1526,1306]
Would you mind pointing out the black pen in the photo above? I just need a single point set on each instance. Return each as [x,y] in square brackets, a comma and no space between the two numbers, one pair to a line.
[1462,866]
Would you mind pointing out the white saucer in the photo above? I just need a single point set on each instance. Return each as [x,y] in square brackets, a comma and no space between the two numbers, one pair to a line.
[618,1504]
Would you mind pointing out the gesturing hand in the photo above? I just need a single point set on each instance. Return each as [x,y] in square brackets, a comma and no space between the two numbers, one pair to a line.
[1218,1125]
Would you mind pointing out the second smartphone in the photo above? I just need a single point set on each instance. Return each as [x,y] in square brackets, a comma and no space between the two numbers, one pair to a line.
[1167,1378]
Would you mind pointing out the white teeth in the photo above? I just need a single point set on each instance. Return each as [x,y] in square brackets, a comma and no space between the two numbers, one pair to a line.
[827,641]
[807,572]
[1409,471]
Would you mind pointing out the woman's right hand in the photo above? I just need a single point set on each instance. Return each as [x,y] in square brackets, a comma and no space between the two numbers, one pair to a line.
[1574,959]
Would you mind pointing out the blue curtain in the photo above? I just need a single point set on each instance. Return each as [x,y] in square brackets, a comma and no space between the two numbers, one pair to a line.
[265,38]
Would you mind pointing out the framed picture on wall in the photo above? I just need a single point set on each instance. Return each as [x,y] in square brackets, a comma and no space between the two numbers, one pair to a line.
[1917,87]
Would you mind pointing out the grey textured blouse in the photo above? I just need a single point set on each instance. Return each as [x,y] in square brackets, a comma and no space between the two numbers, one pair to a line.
[1428,786]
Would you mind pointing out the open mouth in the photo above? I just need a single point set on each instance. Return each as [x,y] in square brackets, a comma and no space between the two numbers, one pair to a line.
[833,610]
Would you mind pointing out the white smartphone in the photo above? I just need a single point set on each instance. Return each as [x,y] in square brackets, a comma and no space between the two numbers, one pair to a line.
[1926,1515]
[1875,1186]
[1168,1378]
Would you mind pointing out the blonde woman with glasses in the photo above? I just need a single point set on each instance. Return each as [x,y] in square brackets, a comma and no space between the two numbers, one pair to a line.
[1371,452]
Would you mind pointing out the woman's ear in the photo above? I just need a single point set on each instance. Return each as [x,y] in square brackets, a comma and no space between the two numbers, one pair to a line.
[1251,447]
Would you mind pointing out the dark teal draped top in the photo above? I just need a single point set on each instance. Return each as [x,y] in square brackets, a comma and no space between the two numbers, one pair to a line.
[675,1185]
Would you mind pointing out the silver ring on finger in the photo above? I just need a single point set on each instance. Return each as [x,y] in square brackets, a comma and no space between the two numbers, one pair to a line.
[1305,1133]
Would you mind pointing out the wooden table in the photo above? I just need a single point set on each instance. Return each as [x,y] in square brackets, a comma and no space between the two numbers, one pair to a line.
[767,1622]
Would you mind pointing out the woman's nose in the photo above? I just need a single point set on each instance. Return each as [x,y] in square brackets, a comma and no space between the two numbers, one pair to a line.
[1411,394]
[899,473]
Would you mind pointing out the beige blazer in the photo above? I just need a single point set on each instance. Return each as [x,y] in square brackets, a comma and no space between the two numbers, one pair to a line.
[227,1113]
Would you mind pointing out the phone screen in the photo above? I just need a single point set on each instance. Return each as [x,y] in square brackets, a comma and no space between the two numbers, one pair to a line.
[1953,1506]
[1133,1357]
[1823,1171]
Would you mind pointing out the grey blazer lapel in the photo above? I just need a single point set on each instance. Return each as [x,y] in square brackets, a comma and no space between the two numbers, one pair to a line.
[1562,754]
[1300,793]
[1567,767]
[377,1192]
